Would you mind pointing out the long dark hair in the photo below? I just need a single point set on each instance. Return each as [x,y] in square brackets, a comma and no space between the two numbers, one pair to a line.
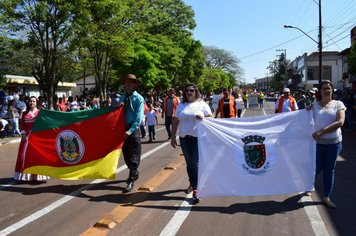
[197,93]
[318,95]
[28,105]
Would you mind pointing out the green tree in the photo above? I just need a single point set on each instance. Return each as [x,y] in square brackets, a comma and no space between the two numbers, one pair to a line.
[48,28]
[352,60]
[277,68]
[225,60]
[106,28]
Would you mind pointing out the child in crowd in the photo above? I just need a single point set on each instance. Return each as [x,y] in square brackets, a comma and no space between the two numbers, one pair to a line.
[151,116]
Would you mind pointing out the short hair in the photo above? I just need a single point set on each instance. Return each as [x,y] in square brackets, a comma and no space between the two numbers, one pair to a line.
[171,90]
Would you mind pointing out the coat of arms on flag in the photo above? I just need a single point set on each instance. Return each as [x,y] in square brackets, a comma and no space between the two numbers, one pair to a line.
[255,155]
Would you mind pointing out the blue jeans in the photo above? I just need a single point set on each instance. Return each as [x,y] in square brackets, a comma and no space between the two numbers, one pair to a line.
[245,103]
[151,131]
[168,122]
[191,154]
[15,126]
[326,156]
[260,101]
[348,114]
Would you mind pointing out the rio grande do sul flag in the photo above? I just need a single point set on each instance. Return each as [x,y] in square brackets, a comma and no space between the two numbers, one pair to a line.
[264,155]
[76,145]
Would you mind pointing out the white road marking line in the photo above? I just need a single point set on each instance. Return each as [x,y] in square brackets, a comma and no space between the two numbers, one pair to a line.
[316,221]
[67,198]
[179,217]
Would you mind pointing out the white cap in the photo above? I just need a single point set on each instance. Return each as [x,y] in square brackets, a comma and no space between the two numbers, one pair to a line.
[286,90]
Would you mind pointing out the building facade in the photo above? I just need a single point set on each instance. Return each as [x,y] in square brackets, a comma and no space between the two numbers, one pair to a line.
[29,86]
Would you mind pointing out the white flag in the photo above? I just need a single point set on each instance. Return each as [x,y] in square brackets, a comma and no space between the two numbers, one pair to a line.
[262,155]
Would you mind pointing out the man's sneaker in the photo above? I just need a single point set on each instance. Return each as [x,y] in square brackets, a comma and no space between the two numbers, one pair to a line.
[154,137]
[196,199]
[189,189]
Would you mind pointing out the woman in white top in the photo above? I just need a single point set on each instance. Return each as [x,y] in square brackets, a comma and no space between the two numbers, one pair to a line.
[238,103]
[329,116]
[186,115]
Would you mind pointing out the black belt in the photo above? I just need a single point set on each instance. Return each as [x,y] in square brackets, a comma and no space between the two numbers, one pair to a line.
[189,136]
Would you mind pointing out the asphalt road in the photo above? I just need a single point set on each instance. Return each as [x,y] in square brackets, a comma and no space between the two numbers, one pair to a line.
[98,207]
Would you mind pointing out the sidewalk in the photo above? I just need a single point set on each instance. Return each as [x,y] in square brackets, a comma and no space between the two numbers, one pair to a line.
[10,140]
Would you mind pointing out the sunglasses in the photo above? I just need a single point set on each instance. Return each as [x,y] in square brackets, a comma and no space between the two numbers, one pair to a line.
[190,90]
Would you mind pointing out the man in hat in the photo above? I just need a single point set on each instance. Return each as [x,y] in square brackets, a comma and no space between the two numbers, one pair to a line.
[133,105]
[301,99]
[226,106]
[285,103]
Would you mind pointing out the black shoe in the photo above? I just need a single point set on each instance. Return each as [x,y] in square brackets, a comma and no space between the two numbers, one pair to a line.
[129,186]
[154,137]
[133,177]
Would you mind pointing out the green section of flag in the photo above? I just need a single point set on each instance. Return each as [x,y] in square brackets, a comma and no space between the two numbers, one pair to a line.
[48,119]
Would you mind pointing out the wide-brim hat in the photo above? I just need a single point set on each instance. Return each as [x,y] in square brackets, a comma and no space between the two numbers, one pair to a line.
[130,77]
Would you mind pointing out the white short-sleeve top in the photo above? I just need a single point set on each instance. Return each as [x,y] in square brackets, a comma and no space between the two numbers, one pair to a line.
[324,116]
[186,114]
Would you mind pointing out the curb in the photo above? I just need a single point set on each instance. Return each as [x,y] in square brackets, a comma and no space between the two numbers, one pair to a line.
[10,141]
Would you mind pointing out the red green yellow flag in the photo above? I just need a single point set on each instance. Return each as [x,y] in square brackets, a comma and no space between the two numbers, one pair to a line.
[76,145]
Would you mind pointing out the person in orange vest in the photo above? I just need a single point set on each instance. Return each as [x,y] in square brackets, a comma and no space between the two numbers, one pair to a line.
[226,107]
[170,104]
[285,103]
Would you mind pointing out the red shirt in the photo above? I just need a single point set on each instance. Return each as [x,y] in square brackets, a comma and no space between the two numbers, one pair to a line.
[62,106]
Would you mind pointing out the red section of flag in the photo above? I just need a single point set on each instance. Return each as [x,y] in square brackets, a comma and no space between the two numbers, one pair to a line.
[100,135]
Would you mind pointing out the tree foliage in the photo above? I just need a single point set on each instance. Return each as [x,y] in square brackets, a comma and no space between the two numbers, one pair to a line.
[223,61]
[48,25]
[278,68]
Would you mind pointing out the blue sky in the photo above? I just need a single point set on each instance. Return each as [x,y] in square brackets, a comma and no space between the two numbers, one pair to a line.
[253,30]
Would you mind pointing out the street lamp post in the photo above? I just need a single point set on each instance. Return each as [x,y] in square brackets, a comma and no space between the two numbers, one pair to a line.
[319,45]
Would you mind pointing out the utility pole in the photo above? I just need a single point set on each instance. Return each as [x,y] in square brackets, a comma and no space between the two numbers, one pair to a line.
[320,46]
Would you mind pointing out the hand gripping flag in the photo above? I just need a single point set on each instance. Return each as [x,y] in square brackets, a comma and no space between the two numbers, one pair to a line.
[263,155]
[76,145]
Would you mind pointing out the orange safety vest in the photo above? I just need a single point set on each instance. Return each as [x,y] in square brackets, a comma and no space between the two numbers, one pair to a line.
[281,100]
[175,104]
[232,110]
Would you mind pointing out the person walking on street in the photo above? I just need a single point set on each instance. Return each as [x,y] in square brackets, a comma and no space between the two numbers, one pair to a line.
[238,103]
[187,113]
[28,121]
[261,96]
[244,98]
[285,103]
[301,99]
[329,116]
[152,120]
[170,105]
[226,106]
[133,106]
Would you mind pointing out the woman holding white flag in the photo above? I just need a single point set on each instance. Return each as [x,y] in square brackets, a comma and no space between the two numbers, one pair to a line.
[187,113]
[329,116]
